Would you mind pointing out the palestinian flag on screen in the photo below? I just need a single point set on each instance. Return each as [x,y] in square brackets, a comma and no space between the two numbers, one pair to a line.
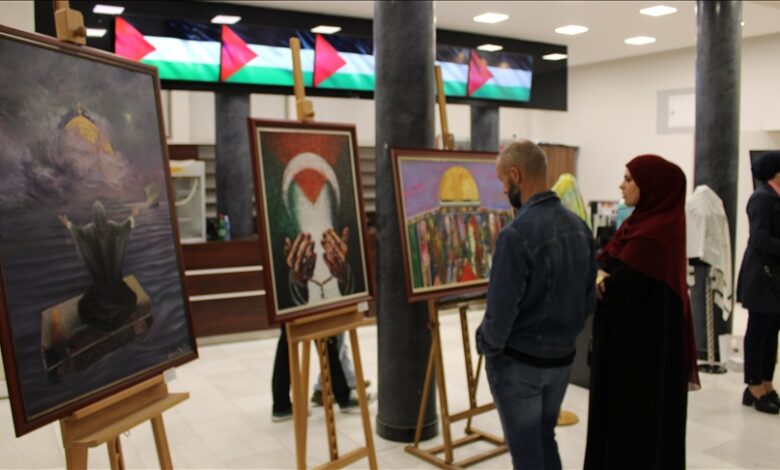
[486,75]
[181,50]
[263,57]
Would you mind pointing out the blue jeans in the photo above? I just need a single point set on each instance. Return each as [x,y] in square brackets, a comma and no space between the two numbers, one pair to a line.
[528,400]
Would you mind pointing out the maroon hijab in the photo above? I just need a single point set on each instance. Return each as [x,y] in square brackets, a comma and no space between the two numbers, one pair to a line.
[652,239]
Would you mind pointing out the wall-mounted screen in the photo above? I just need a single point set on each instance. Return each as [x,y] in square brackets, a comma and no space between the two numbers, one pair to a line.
[181,50]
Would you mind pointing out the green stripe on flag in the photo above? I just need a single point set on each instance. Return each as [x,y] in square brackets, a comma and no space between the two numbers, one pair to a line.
[185,71]
[267,76]
[454,88]
[495,92]
[349,81]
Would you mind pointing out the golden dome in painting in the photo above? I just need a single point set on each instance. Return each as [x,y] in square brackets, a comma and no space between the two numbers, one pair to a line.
[458,186]
[88,131]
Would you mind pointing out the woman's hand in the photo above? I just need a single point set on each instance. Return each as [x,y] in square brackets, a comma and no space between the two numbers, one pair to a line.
[601,276]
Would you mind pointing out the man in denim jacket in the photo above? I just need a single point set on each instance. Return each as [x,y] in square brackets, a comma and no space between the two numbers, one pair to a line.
[542,287]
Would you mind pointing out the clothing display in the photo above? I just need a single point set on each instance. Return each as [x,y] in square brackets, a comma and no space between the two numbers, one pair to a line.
[708,240]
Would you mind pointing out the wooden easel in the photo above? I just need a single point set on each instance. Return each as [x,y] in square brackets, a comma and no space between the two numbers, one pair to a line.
[436,364]
[104,421]
[318,328]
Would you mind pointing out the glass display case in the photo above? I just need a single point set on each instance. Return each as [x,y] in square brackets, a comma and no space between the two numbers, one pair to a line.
[189,189]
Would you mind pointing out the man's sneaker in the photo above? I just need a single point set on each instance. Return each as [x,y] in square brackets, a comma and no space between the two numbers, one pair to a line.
[353,404]
[280,416]
[316,396]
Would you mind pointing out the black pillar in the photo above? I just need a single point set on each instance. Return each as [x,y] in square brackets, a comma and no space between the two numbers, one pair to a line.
[718,44]
[233,162]
[484,128]
[404,94]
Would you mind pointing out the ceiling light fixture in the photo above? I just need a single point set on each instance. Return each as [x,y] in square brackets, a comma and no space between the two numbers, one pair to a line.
[658,10]
[555,56]
[571,30]
[490,47]
[639,40]
[108,9]
[491,18]
[96,32]
[226,19]
[325,29]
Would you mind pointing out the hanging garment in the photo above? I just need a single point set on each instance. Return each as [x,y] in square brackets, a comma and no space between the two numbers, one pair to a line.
[708,239]
[568,192]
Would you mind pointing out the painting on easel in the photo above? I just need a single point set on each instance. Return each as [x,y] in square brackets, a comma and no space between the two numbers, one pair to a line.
[91,289]
[451,208]
[310,216]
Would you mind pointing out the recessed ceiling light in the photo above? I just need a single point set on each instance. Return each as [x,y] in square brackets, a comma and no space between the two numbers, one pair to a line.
[226,19]
[325,29]
[96,32]
[491,18]
[490,47]
[742,23]
[658,10]
[571,30]
[555,56]
[639,40]
[108,9]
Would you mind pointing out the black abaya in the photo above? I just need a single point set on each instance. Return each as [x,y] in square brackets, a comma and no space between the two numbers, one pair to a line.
[639,387]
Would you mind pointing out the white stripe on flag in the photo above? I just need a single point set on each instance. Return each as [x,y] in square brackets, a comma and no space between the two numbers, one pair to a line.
[281,58]
[182,50]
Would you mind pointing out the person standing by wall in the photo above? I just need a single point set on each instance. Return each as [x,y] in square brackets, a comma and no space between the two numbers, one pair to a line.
[758,286]
[541,289]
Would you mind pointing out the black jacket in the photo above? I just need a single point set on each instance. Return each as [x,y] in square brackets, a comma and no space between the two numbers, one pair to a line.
[754,290]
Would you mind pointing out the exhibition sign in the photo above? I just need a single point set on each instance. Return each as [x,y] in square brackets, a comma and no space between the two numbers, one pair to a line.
[92,299]
[310,217]
[451,207]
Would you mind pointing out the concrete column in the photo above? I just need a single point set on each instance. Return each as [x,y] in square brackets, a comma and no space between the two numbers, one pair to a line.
[484,127]
[718,65]
[404,50]
[233,162]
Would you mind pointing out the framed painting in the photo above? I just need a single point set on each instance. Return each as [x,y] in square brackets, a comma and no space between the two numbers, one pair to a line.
[310,217]
[451,207]
[92,298]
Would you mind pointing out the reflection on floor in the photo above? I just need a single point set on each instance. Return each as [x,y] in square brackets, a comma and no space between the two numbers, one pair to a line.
[227,421]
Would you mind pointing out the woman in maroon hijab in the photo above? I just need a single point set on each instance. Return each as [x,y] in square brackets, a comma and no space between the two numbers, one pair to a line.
[644,360]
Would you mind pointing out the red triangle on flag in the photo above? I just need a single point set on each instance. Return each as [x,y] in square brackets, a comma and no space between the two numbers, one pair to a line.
[311,182]
[235,53]
[479,74]
[130,42]
[326,60]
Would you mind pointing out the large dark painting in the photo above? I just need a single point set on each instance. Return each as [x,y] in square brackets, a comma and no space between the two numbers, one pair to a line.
[310,217]
[451,207]
[91,293]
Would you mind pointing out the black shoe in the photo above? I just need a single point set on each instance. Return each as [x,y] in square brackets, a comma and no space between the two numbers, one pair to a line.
[763,404]
[774,398]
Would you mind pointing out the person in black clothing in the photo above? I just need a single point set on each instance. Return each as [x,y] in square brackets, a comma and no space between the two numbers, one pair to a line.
[754,286]
[644,359]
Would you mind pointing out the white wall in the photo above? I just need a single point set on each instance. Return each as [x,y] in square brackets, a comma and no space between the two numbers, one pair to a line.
[612,117]
[19,15]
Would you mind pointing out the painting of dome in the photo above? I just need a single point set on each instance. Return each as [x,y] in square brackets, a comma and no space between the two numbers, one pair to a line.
[458,187]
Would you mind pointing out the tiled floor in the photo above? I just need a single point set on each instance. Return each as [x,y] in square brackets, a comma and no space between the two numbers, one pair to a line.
[226,422]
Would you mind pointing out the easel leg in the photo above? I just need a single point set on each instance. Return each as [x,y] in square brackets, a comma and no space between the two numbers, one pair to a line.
[327,403]
[363,398]
[161,442]
[306,361]
[425,393]
[298,416]
[115,458]
[76,458]
[433,313]
[464,329]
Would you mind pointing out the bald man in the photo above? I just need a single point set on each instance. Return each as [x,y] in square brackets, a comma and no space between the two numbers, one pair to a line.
[541,289]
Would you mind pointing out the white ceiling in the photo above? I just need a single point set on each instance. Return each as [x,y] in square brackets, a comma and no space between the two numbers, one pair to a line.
[610,22]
